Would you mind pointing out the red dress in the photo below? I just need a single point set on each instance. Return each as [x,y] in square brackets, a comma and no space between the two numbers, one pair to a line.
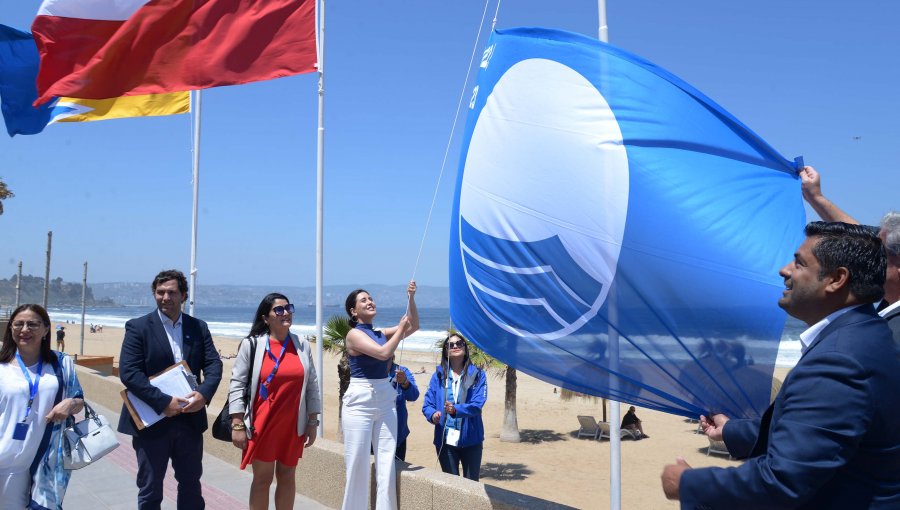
[275,419]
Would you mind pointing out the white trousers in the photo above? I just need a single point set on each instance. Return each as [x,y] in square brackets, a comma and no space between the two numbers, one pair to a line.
[14,490]
[369,421]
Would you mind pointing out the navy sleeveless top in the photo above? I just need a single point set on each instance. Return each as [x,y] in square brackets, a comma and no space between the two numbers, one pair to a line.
[367,367]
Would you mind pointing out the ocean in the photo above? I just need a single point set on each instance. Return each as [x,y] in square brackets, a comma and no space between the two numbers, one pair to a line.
[235,322]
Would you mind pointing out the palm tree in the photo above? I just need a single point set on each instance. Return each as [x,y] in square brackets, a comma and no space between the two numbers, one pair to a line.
[509,432]
[4,194]
[333,334]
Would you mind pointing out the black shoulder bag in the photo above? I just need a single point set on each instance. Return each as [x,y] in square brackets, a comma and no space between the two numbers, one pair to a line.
[221,428]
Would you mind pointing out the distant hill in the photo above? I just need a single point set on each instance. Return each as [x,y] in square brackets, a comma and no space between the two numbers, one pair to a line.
[60,293]
[130,293]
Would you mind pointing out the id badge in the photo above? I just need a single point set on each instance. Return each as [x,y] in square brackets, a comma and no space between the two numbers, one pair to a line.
[452,437]
[263,392]
[20,431]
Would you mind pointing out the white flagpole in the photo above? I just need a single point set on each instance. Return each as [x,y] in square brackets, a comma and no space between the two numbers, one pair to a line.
[195,112]
[320,206]
[615,437]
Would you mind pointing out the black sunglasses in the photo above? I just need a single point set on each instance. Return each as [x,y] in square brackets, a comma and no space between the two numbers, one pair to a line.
[281,310]
[453,345]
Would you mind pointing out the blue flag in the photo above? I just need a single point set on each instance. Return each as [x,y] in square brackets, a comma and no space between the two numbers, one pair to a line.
[19,62]
[617,233]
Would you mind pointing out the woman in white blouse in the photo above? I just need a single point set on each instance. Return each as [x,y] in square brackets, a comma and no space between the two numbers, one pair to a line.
[38,391]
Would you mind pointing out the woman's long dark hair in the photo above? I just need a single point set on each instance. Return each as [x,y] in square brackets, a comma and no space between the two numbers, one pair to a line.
[445,359]
[350,304]
[265,306]
[8,350]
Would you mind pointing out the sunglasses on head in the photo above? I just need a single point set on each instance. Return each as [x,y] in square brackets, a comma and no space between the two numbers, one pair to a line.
[457,344]
[281,310]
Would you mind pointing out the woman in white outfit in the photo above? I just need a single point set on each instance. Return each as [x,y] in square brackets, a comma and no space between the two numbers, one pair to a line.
[38,391]
[369,416]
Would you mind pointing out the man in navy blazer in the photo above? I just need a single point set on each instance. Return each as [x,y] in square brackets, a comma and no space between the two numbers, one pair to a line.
[888,232]
[831,438]
[152,344]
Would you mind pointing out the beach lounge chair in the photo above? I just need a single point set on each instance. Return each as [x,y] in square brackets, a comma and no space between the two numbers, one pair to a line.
[623,433]
[589,427]
[717,447]
[630,434]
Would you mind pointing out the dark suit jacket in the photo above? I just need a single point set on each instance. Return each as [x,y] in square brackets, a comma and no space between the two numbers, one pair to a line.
[831,438]
[146,352]
[893,319]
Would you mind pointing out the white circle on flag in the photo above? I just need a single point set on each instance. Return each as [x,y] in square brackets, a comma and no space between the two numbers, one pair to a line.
[546,159]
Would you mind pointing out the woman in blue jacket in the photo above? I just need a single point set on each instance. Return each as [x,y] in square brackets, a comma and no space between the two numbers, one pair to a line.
[453,402]
[407,391]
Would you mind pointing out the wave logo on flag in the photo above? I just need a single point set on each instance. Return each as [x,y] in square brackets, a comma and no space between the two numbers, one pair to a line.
[539,259]
[616,232]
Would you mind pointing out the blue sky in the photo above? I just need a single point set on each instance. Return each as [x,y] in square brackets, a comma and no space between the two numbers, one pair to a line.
[813,78]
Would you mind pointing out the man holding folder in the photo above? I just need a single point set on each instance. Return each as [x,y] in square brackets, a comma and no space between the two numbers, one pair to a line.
[152,344]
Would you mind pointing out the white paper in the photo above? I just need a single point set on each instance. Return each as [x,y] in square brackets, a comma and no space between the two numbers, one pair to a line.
[452,437]
[174,382]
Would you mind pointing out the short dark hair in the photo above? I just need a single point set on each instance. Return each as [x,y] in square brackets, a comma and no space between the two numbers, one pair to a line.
[855,248]
[8,350]
[171,274]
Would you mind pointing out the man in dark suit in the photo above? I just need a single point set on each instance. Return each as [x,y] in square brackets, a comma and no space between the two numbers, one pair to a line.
[888,232]
[831,438]
[152,344]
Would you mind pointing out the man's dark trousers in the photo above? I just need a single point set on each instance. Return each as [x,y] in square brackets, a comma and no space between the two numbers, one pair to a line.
[185,448]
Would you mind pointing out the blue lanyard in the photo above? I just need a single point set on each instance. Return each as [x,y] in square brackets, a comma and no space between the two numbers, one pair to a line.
[32,385]
[264,391]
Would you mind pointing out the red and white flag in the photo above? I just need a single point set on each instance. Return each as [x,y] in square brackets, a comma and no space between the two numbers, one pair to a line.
[98,49]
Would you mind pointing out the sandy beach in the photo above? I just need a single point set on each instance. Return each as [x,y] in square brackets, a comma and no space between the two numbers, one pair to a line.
[549,463]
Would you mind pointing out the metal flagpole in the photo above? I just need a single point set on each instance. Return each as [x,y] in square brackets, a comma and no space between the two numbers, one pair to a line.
[320,205]
[615,437]
[83,298]
[19,284]
[47,269]
[195,111]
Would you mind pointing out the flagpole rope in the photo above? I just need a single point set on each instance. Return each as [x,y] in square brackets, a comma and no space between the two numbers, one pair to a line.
[437,186]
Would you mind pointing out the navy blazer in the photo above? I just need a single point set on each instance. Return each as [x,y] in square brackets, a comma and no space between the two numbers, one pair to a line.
[146,352]
[893,319]
[831,438]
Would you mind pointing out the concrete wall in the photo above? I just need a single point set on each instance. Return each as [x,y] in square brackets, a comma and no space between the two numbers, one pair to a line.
[320,474]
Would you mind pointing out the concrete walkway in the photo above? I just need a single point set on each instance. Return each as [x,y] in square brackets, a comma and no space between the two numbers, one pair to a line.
[110,483]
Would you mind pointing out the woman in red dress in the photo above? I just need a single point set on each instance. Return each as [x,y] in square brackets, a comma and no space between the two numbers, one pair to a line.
[281,386]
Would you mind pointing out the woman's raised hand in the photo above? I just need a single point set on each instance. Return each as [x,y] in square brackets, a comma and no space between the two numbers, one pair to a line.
[411,288]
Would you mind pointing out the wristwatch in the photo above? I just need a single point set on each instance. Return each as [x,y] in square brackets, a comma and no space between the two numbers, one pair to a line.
[312,423]
[238,426]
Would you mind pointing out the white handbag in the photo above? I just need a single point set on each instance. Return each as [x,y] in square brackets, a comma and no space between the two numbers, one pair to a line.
[88,440]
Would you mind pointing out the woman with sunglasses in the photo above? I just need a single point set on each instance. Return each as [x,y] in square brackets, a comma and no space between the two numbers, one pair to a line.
[456,394]
[38,392]
[281,417]
[369,415]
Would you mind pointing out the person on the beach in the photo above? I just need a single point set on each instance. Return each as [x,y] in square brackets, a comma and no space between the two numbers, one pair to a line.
[369,416]
[831,438]
[152,344]
[453,403]
[39,390]
[889,233]
[281,418]
[407,391]
[61,338]
[631,422]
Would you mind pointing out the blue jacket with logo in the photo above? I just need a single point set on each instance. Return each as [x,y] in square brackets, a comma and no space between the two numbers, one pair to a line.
[409,394]
[473,395]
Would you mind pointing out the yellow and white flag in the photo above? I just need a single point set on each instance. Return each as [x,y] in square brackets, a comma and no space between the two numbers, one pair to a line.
[70,109]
